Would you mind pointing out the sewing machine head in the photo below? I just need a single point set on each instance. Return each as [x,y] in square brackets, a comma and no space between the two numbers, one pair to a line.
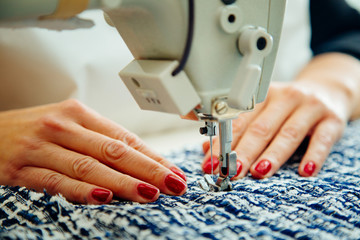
[209,58]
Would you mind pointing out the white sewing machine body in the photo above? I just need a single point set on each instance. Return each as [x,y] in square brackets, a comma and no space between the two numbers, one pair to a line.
[219,65]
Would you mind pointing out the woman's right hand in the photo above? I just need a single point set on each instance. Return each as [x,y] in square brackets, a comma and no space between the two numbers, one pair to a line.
[68,148]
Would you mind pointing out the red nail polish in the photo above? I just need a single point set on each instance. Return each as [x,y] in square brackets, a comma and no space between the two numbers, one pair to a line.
[238,168]
[263,167]
[178,172]
[207,165]
[174,184]
[100,195]
[309,168]
[206,146]
[147,191]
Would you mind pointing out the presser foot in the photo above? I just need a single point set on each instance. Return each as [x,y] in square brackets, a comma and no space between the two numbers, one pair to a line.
[208,184]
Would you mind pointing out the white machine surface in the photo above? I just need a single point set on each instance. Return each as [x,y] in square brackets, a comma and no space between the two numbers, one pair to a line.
[213,59]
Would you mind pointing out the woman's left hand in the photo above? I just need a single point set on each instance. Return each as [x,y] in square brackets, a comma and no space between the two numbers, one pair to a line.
[314,106]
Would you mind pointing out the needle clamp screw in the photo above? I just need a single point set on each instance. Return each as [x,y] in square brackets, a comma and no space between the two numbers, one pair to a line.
[221,107]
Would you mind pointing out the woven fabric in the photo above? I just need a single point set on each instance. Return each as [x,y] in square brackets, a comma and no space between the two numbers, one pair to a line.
[284,206]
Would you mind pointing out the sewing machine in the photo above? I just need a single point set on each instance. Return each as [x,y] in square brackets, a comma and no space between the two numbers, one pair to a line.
[208,60]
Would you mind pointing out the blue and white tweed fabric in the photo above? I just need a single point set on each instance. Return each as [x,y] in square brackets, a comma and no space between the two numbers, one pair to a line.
[284,206]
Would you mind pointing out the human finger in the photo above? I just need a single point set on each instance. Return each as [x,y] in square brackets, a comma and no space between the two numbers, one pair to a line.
[261,131]
[87,169]
[323,138]
[287,140]
[91,120]
[82,150]
[75,136]
[53,182]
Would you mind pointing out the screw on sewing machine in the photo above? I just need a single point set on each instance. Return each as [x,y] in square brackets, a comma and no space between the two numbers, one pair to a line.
[221,107]
[209,129]
[203,130]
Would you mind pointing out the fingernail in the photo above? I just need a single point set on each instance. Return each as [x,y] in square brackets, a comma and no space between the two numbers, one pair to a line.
[310,168]
[174,184]
[178,172]
[238,168]
[100,195]
[206,146]
[147,191]
[263,167]
[207,165]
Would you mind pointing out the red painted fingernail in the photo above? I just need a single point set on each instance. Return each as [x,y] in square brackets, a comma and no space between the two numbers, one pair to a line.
[207,165]
[310,168]
[147,191]
[178,172]
[174,184]
[206,146]
[238,168]
[100,195]
[263,167]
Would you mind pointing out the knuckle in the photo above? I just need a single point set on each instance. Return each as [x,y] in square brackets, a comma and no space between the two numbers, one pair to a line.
[114,150]
[154,172]
[77,193]
[130,139]
[161,160]
[10,173]
[50,123]
[52,182]
[121,135]
[318,153]
[28,144]
[261,129]
[331,131]
[325,139]
[123,185]
[83,167]
[72,106]
[135,142]
[315,101]
[291,133]
[292,92]
[72,103]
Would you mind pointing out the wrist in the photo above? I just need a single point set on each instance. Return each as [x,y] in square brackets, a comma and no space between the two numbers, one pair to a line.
[339,76]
